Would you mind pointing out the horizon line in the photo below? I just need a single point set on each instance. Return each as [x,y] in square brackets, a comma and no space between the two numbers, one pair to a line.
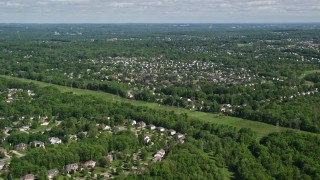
[160,22]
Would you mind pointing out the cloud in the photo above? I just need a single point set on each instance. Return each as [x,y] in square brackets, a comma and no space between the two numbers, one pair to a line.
[262,3]
[13,4]
[121,5]
[70,1]
[158,10]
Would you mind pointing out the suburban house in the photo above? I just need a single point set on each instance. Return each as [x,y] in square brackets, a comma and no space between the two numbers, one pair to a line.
[1,164]
[171,132]
[151,127]
[180,136]
[52,173]
[9,100]
[20,147]
[133,122]
[55,140]
[71,168]
[28,177]
[82,134]
[3,150]
[45,123]
[24,128]
[7,129]
[30,93]
[159,155]
[118,128]
[35,117]
[38,144]
[110,157]
[105,127]
[141,124]
[156,159]
[73,137]
[125,121]
[105,175]
[180,141]
[160,129]
[89,164]
[147,139]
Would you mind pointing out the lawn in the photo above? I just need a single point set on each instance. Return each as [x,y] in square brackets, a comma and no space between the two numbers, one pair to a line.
[42,128]
[303,75]
[245,45]
[308,72]
[262,129]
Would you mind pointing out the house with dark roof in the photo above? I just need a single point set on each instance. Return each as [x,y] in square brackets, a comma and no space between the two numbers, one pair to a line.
[7,129]
[38,144]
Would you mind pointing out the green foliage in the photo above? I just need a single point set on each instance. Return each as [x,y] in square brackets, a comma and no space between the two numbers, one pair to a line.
[290,155]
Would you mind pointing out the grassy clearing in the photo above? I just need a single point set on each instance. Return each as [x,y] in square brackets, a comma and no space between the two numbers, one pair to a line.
[304,74]
[42,128]
[245,45]
[273,41]
[262,129]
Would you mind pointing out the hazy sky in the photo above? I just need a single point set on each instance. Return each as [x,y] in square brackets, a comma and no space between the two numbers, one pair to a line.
[158,11]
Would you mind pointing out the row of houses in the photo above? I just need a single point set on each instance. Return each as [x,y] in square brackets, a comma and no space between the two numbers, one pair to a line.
[37,144]
[72,168]
[69,169]
[180,137]
[11,93]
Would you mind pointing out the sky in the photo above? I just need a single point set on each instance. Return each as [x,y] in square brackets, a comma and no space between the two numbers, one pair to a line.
[159,11]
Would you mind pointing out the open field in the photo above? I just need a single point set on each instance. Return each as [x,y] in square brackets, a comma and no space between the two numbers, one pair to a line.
[262,129]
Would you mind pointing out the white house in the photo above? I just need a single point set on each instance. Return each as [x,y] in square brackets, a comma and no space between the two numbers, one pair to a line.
[159,155]
[161,129]
[134,122]
[180,136]
[55,140]
[151,127]
[24,128]
[171,132]
[147,139]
